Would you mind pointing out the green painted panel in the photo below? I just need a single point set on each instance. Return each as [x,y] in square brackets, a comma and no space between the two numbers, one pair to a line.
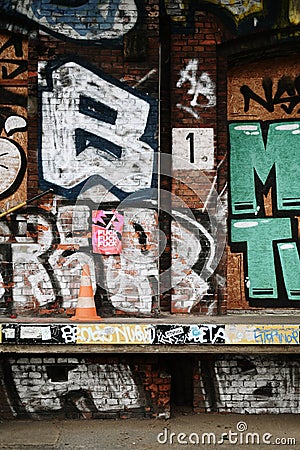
[248,154]
[260,234]
[290,264]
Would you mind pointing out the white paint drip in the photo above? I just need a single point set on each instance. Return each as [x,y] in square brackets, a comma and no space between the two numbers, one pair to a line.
[145,78]
[189,110]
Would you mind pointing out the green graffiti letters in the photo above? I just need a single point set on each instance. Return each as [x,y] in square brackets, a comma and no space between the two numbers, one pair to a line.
[271,248]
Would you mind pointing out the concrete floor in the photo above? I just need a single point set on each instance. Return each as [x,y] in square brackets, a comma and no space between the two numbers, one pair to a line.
[230,431]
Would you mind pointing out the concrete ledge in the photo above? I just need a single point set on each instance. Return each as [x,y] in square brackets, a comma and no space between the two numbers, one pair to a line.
[147,349]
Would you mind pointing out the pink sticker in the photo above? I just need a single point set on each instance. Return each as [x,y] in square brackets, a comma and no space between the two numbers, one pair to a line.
[107,231]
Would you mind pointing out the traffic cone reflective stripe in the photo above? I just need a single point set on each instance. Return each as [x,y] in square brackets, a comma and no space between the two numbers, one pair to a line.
[86,309]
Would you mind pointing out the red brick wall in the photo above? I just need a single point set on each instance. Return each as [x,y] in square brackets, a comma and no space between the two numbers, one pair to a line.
[193,108]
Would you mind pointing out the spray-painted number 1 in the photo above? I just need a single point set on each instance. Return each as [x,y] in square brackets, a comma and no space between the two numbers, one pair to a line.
[190,137]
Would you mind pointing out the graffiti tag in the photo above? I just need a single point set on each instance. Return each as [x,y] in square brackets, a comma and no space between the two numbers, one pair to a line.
[287,86]
[200,86]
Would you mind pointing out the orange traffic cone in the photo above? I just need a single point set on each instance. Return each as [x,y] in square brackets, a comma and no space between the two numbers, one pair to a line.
[86,309]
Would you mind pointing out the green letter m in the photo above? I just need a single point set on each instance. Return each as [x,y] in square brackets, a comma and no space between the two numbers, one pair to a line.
[248,154]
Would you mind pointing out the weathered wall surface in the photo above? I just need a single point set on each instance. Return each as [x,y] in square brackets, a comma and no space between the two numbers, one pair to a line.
[89,92]
[264,189]
[90,83]
[165,130]
[195,162]
[248,384]
[95,386]
[48,259]
[92,128]
[85,387]
[13,125]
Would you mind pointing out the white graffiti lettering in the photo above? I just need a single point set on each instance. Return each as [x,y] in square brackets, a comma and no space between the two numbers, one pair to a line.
[118,334]
[200,85]
[77,112]
[88,387]
[130,288]
[69,334]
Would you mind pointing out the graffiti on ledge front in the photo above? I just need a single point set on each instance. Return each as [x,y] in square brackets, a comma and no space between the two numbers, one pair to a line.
[262,334]
[149,334]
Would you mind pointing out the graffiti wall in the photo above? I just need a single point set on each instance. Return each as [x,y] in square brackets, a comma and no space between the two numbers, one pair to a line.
[50,250]
[93,109]
[93,142]
[94,135]
[157,136]
[13,118]
[264,191]
[249,384]
[197,238]
[85,387]
[84,20]
[79,107]
[95,386]
[151,333]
